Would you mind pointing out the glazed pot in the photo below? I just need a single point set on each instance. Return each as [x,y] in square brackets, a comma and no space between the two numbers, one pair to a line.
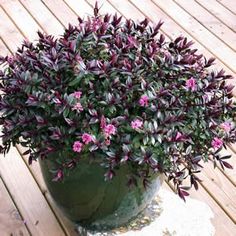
[93,203]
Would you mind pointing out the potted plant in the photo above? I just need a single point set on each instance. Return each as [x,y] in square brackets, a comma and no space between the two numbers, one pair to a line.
[110,107]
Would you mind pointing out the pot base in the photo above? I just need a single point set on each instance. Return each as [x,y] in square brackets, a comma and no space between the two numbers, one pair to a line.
[93,203]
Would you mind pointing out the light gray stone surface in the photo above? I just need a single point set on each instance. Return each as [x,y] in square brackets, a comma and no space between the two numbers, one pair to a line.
[168,215]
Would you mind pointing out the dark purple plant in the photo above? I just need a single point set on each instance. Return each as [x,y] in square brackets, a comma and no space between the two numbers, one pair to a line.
[119,90]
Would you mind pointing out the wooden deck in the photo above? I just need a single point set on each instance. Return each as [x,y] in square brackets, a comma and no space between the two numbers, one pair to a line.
[26,207]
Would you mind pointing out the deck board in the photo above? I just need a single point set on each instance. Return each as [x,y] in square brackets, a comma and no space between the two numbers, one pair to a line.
[9,32]
[32,205]
[229,4]
[211,24]
[200,33]
[220,188]
[43,16]
[208,20]
[21,18]
[220,11]
[65,16]
[230,173]
[10,218]
[3,49]
[83,9]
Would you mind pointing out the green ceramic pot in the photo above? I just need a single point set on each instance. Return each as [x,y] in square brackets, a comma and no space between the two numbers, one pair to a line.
[96,204]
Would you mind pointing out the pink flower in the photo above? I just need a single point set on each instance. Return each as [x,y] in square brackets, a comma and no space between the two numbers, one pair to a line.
[77,146]
[143,101]
[217,143]
[87,138]
[226,126]
[77,94]
[136,124]
[191,84]
[109,130]
[78,107]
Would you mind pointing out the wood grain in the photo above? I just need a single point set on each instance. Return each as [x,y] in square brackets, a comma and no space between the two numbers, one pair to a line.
[31,203]
[9,32]
[229,173]
[229,4]
[11,222]
[219,11]
[209,21]
[3,49]
[43,16]
[200,33]
[220,188]
[65,16]
[21,18]
[82,9]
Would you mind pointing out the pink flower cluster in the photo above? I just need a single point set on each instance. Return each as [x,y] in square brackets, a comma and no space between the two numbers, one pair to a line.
[109,130]
[143,101]
[226,126]
[136,124]
[191,84]
[86,138]
[217,143]
[77,107]
[77,146]
[77,94]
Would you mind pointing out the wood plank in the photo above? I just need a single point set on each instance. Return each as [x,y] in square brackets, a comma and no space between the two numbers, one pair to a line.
[200,33]
[151,11]
[3,49]
[220,188]
[105,7]
[229,4]
[43,16]
[154,13]
[21,18]
[34,209]
[82,9]
[8,32]
[230,173]
[125,8]
[233,147]
[220,12]
[67,225]
[10,218]
[210,22]
[65,16]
